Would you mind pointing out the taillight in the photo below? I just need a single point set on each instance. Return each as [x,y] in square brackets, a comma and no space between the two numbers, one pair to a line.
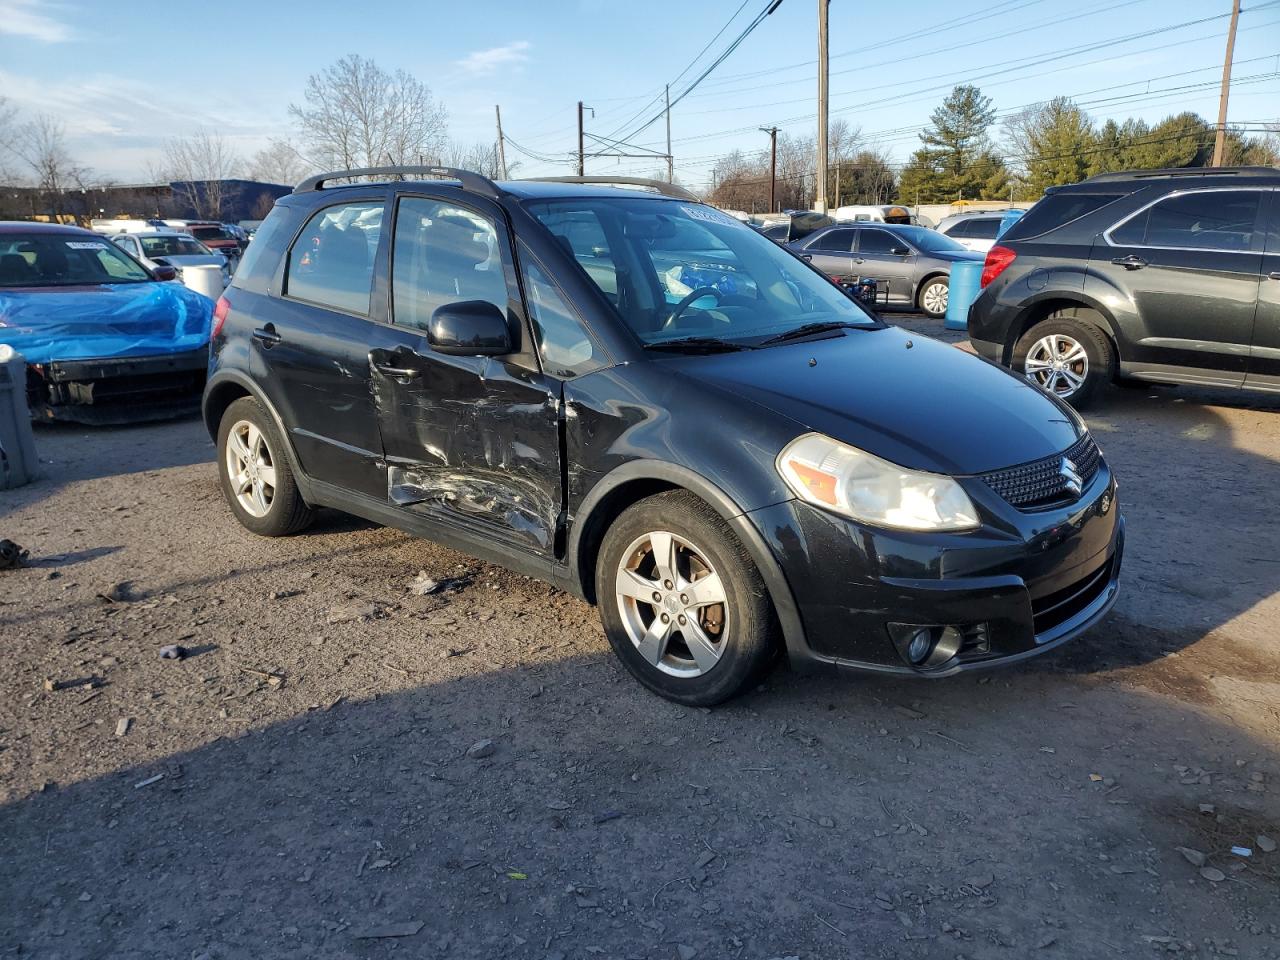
[220,311]
[998,258]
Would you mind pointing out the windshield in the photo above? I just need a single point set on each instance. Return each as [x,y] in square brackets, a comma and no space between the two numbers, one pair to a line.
[173,247]
[210,233]
[677,270]
[58,260]
[930,241]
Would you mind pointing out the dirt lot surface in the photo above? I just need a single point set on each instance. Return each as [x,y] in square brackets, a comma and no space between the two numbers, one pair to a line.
[301,785]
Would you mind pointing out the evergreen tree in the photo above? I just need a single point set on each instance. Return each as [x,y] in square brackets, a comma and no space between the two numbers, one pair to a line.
[956,160]
[1056,142]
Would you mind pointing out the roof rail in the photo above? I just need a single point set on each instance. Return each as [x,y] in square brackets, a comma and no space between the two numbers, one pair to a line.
[1184,172]
[661,186]
[469,180]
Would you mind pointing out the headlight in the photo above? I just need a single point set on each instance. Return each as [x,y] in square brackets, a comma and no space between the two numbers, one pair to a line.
[853,483]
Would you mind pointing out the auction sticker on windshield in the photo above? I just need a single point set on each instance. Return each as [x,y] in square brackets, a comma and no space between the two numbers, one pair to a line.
[86,244]
[708,215]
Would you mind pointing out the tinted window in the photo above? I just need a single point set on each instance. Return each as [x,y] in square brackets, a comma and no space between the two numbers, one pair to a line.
[777,231]
[443,254]
[880,242]
[959,228]
[254,273]
[1056,210]
[984,228]
[834,240]
[563,343]
[331,262]
[1209,220]
[56,259]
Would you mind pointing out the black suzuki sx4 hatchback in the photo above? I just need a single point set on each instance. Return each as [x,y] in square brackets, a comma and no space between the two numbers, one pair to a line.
[641,400]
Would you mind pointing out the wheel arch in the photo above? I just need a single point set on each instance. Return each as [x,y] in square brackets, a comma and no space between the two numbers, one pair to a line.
[1040,310]
[638,479]
[225,389]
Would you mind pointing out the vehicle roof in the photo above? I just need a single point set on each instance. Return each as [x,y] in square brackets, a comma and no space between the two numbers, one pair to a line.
[156,233]
[35,226]
[546,190]
[1251,176]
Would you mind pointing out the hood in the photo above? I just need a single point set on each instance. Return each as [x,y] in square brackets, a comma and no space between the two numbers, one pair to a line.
[45,324]
[928,406]
[956,256]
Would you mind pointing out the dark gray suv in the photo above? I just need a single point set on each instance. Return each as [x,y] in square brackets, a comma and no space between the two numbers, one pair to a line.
[911,264]
[1170,276]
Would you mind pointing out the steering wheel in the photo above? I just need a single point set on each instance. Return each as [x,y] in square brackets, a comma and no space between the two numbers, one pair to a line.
[689,299]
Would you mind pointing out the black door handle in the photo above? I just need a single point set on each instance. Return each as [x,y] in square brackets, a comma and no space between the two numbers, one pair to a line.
[400,373]
[1130,262]
[267,335]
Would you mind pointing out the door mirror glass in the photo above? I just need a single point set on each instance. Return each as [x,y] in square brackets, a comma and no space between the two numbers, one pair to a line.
[469,328]
[900,251]
[165,272]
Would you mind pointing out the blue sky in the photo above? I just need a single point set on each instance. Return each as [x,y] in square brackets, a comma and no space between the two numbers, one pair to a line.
[125,75]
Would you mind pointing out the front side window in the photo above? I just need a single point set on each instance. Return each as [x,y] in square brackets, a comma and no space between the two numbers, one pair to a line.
[673,270]
[1208,220]
[443,254]
[566,348]
[331,261]
[879,242]
[59,260]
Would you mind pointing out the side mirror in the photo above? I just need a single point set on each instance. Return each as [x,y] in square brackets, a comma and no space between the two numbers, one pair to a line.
[164,272]
[900,252]
[470,328]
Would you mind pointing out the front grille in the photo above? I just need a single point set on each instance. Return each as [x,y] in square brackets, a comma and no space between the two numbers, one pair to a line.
[1042,483]
[1061,605]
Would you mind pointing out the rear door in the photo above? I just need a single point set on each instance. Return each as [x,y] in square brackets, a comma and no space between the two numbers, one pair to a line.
[832,252]
[311,344]
[1189,263]
[471,442]
[1264,356]
[889,259]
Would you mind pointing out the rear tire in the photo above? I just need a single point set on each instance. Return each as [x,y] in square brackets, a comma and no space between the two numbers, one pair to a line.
[671,556]
[932,299]
[255,473]
[1067,355]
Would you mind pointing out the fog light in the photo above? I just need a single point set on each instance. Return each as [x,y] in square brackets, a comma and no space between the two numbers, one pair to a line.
[926,646]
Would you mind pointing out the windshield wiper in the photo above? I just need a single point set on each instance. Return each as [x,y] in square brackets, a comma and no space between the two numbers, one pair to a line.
[807,329]
[697,345]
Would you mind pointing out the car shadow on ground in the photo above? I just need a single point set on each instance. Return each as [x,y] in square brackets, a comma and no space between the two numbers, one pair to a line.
[815,818]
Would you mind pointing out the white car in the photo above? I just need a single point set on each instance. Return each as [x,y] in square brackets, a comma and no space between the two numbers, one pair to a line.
[974,231]
[180,250]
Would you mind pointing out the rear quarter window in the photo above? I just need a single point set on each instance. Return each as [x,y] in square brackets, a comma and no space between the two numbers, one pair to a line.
[1057,210]
[260,260]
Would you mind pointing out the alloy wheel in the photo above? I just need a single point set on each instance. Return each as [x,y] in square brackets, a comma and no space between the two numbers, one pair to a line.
[673,604]
[934,298]
[1057,363]
[251,468]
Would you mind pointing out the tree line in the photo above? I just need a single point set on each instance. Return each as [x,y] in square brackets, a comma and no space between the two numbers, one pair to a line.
[959,158]
[353,113]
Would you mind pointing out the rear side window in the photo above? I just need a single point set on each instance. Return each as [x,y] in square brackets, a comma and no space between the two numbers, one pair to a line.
[984,228]
[1208,220]
[1057,210]
[255,270]
[837,241]
[331,262]
[879,241]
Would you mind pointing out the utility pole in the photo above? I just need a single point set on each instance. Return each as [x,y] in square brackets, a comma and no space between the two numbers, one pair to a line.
[1220,142]
[837,183]
[671,172]
[502,147]
[773,164]
[580,173]
[820,203]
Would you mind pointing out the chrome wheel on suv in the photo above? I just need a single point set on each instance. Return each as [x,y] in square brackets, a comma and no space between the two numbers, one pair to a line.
[251,468]
[1058,363]
[254,469]
[672,604]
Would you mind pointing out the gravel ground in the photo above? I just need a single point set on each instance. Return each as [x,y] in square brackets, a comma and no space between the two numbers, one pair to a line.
[301,785]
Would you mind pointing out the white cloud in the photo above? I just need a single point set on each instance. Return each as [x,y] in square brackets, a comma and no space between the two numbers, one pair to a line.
[26,18]
[487,61]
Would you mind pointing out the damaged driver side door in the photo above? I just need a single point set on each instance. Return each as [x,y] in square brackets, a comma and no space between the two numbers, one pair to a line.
[469,441]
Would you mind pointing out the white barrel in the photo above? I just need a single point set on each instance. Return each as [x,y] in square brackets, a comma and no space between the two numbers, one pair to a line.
[206,279]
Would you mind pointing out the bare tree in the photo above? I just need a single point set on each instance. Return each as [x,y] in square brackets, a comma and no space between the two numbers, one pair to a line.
[197,166]
[40,145]
[355,114]
[278,162]
[480,157]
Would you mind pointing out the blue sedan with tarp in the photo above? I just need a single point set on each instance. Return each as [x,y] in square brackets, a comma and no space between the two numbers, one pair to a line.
[106,339]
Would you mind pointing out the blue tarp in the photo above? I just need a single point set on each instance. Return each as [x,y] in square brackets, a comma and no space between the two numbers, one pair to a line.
[47,324]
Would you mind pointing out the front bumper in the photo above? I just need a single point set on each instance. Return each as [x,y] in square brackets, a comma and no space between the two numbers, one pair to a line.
[1023,584]
[118,389]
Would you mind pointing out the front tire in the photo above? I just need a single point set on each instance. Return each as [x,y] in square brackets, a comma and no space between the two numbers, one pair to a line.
[683,605]
[255,473]
[1066,355]
[933,296]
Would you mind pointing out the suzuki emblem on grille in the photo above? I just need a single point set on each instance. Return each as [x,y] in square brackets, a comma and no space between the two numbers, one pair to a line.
[1071,480]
